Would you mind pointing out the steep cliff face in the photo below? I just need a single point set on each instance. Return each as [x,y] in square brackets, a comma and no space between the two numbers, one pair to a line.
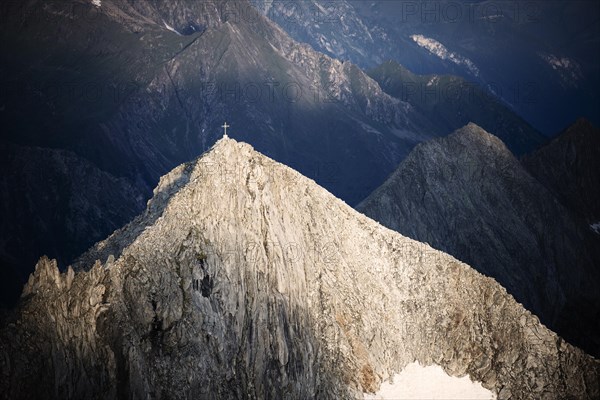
[570,167]
[244,279]
[469,196]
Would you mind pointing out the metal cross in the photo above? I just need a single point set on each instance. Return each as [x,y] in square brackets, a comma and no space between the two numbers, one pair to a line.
[225,126]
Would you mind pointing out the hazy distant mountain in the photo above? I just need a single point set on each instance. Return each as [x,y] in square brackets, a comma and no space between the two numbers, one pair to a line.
[570,166]
[538,57]
[262,285]
[467,195]
[453,102]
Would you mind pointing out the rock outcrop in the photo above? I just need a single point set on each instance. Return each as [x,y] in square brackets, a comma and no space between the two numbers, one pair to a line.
[244,279]
[469,196]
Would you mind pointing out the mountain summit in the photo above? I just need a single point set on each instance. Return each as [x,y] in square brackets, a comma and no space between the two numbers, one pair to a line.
[136,88]
[468,195]
[244,279]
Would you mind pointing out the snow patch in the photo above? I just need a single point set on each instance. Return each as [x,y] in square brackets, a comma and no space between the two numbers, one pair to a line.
[97,3]
[569,70]
[321,8]
[556,62]
[438,49]
[596,227]
[369,129]
[433,81]
[323,42]
[169,27]
[431,383]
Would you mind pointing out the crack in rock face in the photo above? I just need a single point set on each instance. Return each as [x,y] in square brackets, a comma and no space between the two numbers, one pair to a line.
[251,281]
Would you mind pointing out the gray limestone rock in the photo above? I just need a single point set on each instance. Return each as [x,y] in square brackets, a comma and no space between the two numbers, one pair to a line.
[246,280]
[469,196]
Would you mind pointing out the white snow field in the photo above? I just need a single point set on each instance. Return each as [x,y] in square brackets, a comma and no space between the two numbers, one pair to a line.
[417,382]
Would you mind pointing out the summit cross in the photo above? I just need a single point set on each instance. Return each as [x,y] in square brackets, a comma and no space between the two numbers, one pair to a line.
[225,126]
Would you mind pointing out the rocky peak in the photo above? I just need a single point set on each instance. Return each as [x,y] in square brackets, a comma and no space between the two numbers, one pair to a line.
[244,279]
[470,146]
[46,274]
[474,136]
[582,124]
[467,195]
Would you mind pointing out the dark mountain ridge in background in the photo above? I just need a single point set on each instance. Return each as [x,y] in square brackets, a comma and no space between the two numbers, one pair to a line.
[56,202]
[136,88]
[542,59]
[453,102]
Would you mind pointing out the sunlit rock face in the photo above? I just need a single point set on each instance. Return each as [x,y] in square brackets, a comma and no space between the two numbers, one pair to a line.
[244,279]
[467,195]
